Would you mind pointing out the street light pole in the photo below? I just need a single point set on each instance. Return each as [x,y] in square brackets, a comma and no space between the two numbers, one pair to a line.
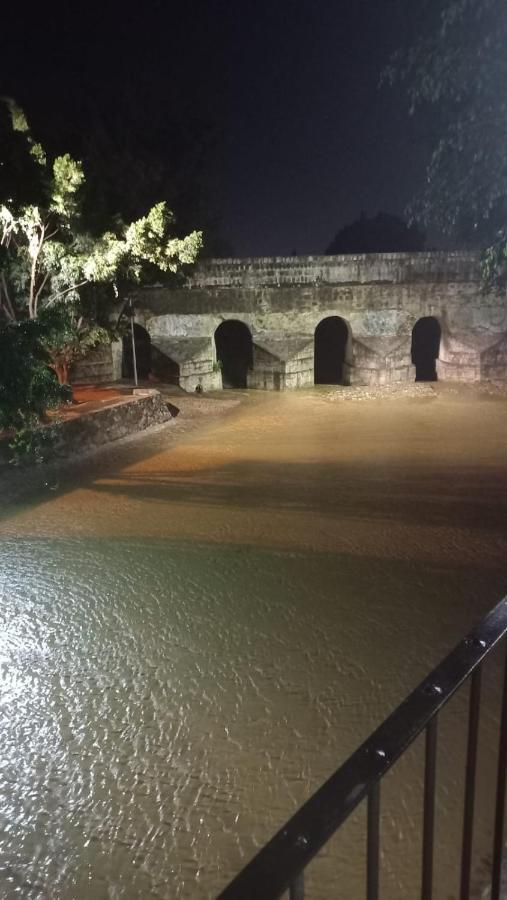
[134,356]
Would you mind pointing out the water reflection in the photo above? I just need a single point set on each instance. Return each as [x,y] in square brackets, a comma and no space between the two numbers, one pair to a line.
[191,642]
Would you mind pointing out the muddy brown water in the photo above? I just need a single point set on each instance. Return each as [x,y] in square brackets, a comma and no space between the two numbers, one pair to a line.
[197,628]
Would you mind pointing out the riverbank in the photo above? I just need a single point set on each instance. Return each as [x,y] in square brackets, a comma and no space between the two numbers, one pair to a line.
[183,412]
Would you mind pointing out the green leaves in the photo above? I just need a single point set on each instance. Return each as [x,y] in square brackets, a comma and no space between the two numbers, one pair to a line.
[50,257]
[67,335]
[68,178]
[494,265]
[27,385]
[47,260]
[147,241]
[19,124]
[144,243]
[18,118]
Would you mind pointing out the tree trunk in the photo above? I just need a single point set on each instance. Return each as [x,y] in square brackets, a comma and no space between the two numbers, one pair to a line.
[62,372]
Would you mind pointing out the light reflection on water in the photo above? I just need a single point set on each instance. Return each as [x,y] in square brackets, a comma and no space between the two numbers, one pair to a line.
[191,642]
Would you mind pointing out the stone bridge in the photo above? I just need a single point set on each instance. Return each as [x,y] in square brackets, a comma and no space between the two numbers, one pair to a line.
[285,322]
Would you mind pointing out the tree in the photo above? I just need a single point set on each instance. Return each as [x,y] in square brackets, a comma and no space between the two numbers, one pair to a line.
[48,259]
[457,67]
[135,157]
[382,233]
[28,387]
[69,336]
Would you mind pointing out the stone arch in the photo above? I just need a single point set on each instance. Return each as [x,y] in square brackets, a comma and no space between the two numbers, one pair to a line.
[234,352]
[143,353]
[425,349]
[332,343]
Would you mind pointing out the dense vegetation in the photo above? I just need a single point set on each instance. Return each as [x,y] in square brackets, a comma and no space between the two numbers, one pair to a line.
[56,274]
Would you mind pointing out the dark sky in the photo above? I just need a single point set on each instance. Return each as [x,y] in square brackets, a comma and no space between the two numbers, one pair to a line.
[303,138]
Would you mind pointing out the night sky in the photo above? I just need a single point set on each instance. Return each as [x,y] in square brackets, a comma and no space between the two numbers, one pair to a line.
[302,137]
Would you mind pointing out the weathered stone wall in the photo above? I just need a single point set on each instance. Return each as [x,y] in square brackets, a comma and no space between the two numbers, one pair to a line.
[100,426]
[101,365]
[282,300]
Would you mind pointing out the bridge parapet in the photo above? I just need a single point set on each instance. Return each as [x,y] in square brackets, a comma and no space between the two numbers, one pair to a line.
[282,300]
[365,268]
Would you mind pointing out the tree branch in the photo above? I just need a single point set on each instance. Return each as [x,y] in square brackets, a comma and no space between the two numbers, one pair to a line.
[39,291]
[73,287]
[32,303]
[7,304]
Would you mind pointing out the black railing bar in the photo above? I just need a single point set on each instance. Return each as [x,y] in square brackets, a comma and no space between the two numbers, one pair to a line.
[372,843]
[471,765]
[270,872]
[498,848]
[430,778]
[297,887]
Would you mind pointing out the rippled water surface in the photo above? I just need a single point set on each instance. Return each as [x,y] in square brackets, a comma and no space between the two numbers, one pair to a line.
[197,628]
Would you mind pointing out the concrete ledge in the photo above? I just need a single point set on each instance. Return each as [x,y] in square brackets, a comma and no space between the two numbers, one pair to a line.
[100,426]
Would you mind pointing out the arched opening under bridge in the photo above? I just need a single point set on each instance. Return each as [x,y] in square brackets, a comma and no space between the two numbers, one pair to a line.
[426,335]
[234,352]
[330,351]
[143,353]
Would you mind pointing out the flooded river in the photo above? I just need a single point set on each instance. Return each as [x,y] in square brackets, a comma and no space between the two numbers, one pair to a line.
[199,626]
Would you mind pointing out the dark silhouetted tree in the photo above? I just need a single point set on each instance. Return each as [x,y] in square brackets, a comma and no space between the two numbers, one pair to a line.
[382,233]
[457,67]
[135,155]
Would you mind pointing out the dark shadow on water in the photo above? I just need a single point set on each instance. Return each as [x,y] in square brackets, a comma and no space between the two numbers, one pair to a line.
[413,493]
[416,495]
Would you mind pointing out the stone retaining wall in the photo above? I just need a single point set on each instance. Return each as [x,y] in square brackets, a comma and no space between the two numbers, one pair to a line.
[99,426]
[101,365]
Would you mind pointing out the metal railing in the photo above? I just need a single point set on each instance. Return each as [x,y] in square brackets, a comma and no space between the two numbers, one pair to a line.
[279,866]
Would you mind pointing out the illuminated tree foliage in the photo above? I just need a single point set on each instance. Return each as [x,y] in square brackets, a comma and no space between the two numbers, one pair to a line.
[458,66]
[48,264]
[48,259]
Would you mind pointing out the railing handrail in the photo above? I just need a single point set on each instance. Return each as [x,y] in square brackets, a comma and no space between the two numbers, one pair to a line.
[276,866]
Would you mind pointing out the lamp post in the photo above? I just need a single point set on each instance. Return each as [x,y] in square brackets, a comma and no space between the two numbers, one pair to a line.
[134,357]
